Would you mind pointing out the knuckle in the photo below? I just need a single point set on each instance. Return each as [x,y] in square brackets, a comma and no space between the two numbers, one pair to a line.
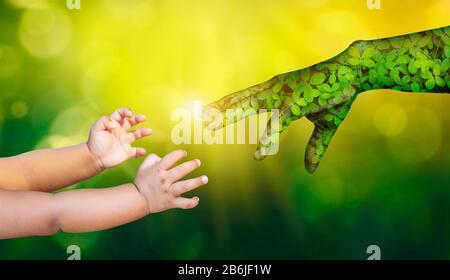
[192,164]
[185,206]
[160,173]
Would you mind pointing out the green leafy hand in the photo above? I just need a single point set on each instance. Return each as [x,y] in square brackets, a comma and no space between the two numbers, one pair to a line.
[324,93]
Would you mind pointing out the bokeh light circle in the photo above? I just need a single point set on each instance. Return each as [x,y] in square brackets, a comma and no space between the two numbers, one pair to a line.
[420,139]
[45,31]
[390,119]
[73,122]
[19,109]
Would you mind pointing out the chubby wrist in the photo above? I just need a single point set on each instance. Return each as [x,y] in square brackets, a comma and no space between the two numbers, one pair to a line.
[96,162]
[144,196]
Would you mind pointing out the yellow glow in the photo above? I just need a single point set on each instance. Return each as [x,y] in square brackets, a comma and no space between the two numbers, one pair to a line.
[157,56]
[100,60]
[423,132]
[45,31]
[390,119]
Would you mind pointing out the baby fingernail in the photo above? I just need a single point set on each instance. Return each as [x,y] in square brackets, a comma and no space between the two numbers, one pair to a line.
[205,179]
[196,198]
[198,162]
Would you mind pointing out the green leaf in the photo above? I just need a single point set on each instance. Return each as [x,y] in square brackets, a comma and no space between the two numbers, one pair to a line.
[354,52]
[404,59]
[325,87]
[411,68]
[344,70]
[426,75]
[415,87]
[403,69]
[378,57]
[396,42]
[316,92]
[395,74]
[332,66]
[369,63]
[440,82]
[430,83]
[295,109]
[313,107]
[382,44]
[387,81]
[406,79]
[304,74]
[446,39]
[269,102]
[322,101]
[382,70]
[278,86]
[289,101]
[317,79]
[325,95]
[291,82]
[390,64]
[302,102]
[337,121]
[332,79]
[321,66]
[366,86]
[308,94]
[420,54]
[320,150]
[423,41]
[254,103]
[328,117]
[353,61]
[335,87]
[436,69]
[301,87]
[296,96]
[447,51]
[368,53]
[277,104]
[445,65]
[391,56]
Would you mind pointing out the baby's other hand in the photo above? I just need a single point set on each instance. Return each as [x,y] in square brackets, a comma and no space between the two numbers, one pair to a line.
[110,139]
[159,182]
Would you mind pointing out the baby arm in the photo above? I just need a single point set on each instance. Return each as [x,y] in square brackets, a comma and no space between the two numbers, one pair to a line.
[28,213]
[109,144]
[156,188]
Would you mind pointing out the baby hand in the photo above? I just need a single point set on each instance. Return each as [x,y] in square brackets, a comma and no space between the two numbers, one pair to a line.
[110,139]
[159,183]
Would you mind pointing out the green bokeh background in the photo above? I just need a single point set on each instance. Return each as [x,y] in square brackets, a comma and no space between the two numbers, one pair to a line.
[385,179]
